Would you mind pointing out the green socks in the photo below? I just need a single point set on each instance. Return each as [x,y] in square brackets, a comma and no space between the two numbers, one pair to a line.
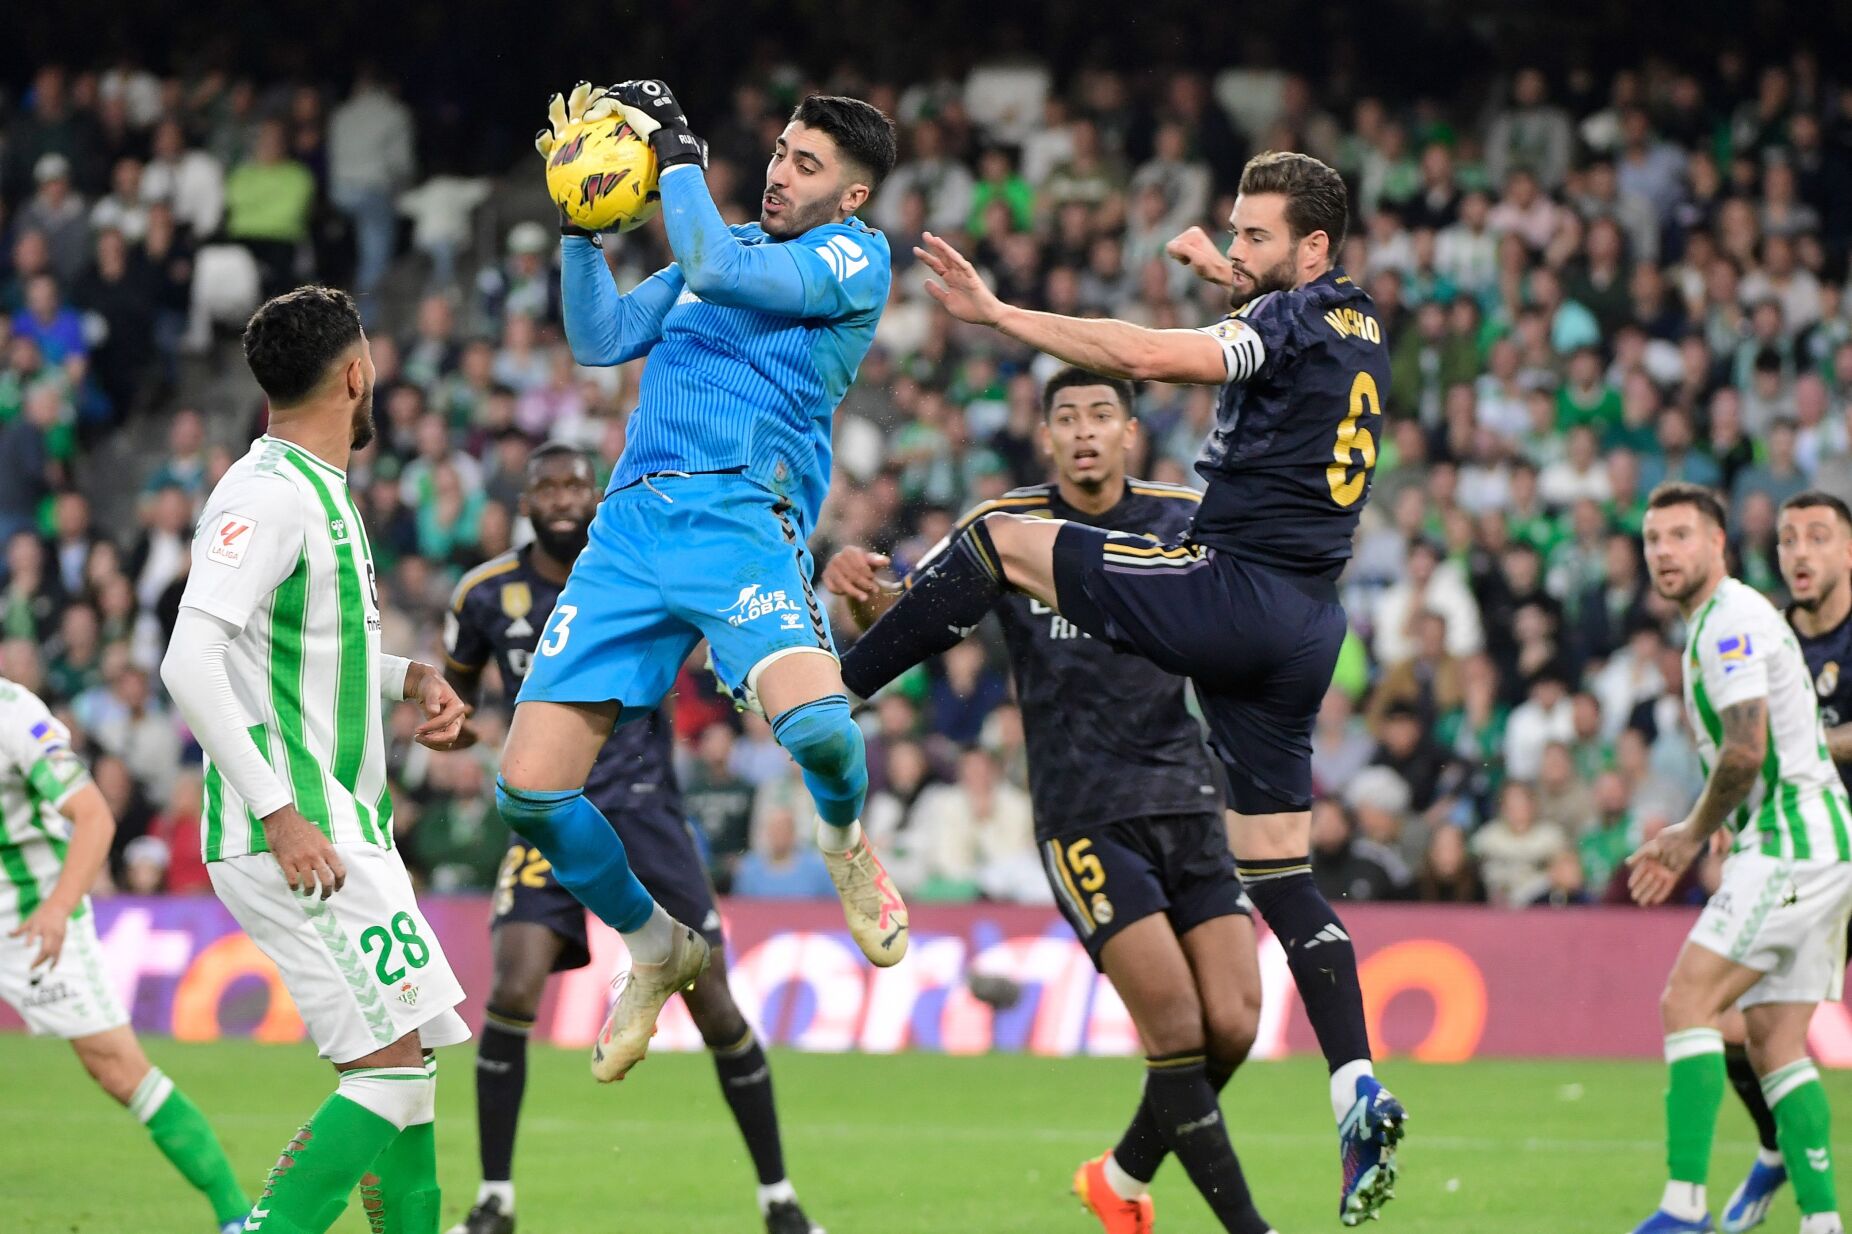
[405,1173]
[1694,1061]
[309,1185]
[1803,1128]
[185,1138]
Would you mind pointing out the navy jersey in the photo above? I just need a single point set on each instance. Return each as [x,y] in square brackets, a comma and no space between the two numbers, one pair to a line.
[1109,736]
[497,612]
[1295,438]
[1829,662]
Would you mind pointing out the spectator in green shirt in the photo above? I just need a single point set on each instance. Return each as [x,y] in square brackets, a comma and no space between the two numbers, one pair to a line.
[998,180]
[1610,835]
[268,198]
[1587,398]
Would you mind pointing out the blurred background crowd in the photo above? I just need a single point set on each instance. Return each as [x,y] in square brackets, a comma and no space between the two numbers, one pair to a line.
[1591,279]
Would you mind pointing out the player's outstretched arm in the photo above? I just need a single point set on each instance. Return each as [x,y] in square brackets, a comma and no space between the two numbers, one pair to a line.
[1114,348]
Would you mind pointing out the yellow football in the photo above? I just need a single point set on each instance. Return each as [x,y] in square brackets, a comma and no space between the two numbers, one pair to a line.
[603,175]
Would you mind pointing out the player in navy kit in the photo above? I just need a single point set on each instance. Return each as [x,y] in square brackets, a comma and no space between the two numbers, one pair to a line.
[1127,809]
[1814,546]
[496,615]
[1246,605]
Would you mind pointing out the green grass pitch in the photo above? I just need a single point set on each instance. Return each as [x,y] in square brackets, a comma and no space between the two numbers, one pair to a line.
[892,1145]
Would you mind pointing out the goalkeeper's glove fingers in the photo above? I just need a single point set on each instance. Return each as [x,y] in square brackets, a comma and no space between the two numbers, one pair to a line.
[650,108]
[580,106]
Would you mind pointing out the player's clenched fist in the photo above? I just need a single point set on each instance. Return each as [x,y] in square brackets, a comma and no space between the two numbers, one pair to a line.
[1196,252]
[307,856]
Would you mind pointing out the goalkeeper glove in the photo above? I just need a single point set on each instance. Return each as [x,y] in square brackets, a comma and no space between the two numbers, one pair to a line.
[655,115]
[562,111]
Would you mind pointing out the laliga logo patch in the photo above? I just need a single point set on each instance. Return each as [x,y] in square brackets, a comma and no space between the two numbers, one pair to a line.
[568,152]
[230,539]
[600,184]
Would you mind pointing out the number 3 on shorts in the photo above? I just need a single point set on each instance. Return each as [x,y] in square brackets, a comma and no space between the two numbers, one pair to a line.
[558,630]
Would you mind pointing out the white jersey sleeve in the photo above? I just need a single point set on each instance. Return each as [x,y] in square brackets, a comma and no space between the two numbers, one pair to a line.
[37,748]
[1733,654]
[248,541]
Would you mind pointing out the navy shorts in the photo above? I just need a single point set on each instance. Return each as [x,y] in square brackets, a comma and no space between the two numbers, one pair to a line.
[1259,644]
[661,852]
[1107,877]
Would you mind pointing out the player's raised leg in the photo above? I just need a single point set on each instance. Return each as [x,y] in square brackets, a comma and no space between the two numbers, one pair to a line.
[746,1083]
[803,696]
[1748,1205]
[524,955]
[1147,965]
[541,795]
[1777,1033]
[952,590]
[115,1061]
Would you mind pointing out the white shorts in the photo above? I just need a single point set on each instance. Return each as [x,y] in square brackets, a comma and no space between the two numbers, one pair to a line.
[363,966]
[1786,919]
[72,998]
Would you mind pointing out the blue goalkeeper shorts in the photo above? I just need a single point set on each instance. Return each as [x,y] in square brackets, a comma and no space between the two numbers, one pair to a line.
[672,560]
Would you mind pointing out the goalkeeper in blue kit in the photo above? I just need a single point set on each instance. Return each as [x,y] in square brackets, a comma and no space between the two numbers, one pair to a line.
[753,337]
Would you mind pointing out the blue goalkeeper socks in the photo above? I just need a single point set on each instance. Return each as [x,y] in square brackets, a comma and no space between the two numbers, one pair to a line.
[823,740]
[588,858]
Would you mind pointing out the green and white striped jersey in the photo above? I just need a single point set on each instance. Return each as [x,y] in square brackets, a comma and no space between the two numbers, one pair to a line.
[281,553]
[38,774]
[1740,648]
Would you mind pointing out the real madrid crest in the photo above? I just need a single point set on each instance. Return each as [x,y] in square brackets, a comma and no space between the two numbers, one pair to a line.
[1102,909]
[1828,680]
[517,603]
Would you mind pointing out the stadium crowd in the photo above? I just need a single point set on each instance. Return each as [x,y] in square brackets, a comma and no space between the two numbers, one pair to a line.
[1588,286]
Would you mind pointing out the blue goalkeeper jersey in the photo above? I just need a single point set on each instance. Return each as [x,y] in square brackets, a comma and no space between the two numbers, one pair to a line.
[752,342]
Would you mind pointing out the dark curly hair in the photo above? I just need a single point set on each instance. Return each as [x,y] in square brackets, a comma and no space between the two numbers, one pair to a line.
[860,130]
[291,340]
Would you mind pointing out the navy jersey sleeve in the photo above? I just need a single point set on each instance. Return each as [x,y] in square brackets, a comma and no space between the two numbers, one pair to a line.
[1278,318]
[466,642]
